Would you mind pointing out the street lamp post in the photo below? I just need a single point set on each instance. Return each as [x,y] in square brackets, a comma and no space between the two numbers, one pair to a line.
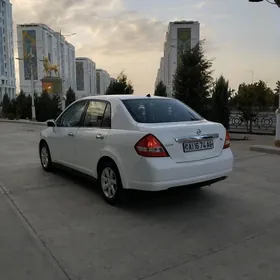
[30,58]
[277,133]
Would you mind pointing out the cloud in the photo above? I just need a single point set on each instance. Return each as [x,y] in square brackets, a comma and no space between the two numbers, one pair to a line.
[108,33]
[117,37]
[104,25]
[200,5]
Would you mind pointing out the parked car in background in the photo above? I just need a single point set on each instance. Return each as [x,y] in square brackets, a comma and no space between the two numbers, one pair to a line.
[133,142]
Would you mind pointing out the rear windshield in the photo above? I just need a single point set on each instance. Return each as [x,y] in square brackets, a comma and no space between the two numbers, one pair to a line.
[152,110]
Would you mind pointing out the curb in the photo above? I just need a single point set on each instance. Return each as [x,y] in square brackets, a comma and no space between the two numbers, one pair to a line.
[23,122]
[266,149]
[245,138]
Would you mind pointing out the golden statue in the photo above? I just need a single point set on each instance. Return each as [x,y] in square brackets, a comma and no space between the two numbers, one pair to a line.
[48,67]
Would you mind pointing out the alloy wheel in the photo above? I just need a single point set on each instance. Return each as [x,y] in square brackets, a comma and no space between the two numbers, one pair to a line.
[45,157]
[109,182]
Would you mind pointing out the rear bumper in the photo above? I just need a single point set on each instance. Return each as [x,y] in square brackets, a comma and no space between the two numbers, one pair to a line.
[161,174]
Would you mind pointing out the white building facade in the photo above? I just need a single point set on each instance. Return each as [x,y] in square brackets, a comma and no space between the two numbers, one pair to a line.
[103,81]
[85,77]
[181,35]
[7,62]
[66,62]
[41,41]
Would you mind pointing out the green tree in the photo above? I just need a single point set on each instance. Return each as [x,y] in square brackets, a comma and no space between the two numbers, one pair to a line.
[28,107]
[37,104]
[220,111]
[251,99]
[55,106]
[6,104]
[160,89]
[21,103]
[42,106]
[120,86]
[47,106]
[13,108]
[70,96]
[23,106]
[277,89]
[192,79]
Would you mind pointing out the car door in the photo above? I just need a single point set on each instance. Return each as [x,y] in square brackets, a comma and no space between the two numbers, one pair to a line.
[92,135]
[65,131]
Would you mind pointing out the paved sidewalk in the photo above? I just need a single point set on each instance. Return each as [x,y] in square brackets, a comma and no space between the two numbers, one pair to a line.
[266,149]
[56,226]
[22,254]
[23,122]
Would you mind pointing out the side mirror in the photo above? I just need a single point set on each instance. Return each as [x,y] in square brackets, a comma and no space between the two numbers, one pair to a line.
[51,123]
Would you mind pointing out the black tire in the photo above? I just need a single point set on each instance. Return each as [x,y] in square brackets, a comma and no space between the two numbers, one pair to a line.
[113,194]
[45,157]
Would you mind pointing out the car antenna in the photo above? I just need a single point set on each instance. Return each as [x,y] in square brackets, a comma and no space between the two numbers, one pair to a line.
[148,95]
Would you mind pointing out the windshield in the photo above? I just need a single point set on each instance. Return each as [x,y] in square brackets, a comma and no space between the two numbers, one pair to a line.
[152,110]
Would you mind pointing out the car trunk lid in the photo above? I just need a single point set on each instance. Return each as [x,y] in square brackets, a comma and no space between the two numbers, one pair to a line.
[188,141]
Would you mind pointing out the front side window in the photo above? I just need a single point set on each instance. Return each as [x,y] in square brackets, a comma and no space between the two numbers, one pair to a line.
[98,114]
[72,116]
[152,110]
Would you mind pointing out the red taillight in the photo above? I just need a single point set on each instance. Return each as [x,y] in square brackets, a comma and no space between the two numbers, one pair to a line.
[150,146]
[227,141]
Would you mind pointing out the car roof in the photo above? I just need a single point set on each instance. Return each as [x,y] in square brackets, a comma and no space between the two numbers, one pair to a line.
[120,97]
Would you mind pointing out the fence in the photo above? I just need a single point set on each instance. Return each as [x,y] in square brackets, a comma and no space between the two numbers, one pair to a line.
[263,123]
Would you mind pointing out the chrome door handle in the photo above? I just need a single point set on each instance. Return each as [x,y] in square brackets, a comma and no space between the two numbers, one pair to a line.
[99,136]
[71,134]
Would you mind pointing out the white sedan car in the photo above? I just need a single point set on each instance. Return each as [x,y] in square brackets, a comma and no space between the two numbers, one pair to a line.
[133,142]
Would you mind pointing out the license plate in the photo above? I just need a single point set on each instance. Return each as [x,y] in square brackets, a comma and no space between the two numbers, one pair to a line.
[198,146]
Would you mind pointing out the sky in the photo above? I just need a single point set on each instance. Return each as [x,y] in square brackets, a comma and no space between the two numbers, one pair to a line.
[242,38]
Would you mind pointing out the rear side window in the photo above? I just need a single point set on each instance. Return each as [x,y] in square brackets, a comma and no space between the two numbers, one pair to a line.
[152,110]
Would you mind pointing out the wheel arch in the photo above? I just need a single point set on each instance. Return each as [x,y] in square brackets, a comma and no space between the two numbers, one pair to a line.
[106,158]
[42,141]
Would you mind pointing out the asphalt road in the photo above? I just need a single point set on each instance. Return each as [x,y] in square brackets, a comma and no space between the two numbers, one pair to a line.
[57,226]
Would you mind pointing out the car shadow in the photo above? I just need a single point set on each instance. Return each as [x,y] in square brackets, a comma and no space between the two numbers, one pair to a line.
[180,198]
[86,182]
